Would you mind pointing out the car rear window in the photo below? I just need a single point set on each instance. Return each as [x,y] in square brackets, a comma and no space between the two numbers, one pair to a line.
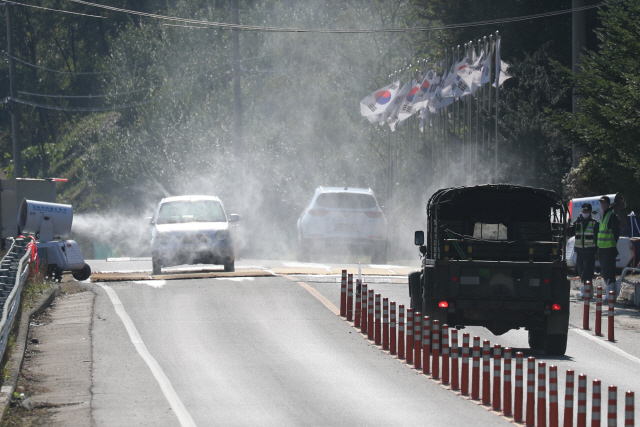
[346,201]
[198,211]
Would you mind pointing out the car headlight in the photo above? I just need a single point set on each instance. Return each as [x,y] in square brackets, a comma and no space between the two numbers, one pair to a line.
[222,235]
[164,238]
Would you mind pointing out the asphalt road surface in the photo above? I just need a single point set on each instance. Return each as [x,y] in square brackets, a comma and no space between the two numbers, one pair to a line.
[266,351]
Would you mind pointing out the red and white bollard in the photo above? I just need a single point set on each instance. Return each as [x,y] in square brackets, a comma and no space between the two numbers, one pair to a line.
[582,400]
[364,309]
[599,311]
[629,410]
[358,311]
[417,340]
[426,345]
[568,399]
[401,333]
[370,307]
[464,374]
[393,330]
[343,294]
[506,397]
[445,354]
[612,410]
[519,388]
[530,421]
[611,306]
[486,372]
[497,367]
[475,370]
[587,298]
[542,394]
[409,347]
[455,368]
[596,402]
[378,322]
[385,323]
[553,396]
[435,349]
[350,297]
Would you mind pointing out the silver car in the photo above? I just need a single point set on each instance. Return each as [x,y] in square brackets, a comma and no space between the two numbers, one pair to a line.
[341,218]
[192,230]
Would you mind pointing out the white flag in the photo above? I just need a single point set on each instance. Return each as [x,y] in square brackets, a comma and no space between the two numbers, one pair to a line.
[395,107]
[486,71]
[498,60]
[504,75]
[421,100]
[378,101]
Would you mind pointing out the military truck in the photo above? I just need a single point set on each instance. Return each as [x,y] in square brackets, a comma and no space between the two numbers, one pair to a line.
[493,256]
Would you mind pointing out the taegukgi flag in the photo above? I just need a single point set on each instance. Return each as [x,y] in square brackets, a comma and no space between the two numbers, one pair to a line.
[378,101]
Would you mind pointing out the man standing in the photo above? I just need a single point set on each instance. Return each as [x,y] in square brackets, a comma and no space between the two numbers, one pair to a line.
[586,231]
[608,236]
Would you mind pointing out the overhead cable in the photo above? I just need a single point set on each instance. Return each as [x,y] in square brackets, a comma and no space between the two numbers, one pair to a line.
[55,10]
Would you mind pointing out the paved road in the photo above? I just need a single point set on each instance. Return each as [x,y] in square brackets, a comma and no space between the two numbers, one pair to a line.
[255,351]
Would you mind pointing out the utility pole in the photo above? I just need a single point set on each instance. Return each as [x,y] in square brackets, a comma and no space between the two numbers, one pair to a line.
[17,156]
[238,145]
[578,42]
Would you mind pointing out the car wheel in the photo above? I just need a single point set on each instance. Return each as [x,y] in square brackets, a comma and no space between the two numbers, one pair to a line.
[156,266]
[379,255]
[83,274]
[536,339]
[230,266]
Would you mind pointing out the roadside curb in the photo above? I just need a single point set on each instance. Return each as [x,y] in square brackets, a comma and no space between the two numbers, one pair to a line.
[17,356]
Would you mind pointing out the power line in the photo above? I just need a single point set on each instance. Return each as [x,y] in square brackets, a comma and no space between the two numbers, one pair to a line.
[77,109]
[55,10]
[56,71]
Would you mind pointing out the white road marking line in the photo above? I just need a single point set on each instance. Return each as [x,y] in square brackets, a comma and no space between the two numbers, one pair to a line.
[235,279]
[169,393]
[605,344]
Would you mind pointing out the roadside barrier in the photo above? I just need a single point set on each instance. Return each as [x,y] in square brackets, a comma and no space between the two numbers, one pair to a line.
[506,400]
[435,349]
[358,313]
[518,392]
[497,366]
[531,384]
[426,344]
[582,400]
[568,399]
[464,374]
[343,294]
[401,333]
[371,325]
[409,347]
[629,412]
[553,396]
[598,327]
[612,411]
[393,332]
[417,340]
[378,327]
[455,380]
[611,307]
[587,297]
[475,370]
[385,323]
[486,374]
[364,309]
[350,297]
[542,394]
[596,400]
[445,354]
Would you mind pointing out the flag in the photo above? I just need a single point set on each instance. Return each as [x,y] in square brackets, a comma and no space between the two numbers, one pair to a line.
[504,75]
[407,108]
[498,60]
[486,71]
[378,101]
[392,119]
[421,100]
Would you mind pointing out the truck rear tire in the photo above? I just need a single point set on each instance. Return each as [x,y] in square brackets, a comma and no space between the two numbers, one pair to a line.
[536,339]
[555,345]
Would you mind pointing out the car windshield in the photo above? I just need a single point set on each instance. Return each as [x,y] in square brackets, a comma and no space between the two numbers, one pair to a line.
[203,210]
[346,201]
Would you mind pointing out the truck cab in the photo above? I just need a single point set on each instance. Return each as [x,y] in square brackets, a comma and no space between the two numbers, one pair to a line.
[493,256]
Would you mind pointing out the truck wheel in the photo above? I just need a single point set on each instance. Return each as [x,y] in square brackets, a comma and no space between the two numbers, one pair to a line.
[230,267]
[555,345]
[156,266]
[536,339]
[83,274]
[415,291]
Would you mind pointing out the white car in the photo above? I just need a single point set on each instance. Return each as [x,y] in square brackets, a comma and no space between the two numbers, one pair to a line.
[343,218]
[192,230]
[624,258]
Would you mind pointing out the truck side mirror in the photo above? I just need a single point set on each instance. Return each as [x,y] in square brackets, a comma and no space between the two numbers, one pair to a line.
[419,238]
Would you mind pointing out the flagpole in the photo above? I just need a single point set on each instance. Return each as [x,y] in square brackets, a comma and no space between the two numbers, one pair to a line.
[488,112]
[497,103]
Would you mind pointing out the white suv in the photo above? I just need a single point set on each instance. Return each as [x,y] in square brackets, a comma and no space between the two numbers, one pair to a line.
[343,218]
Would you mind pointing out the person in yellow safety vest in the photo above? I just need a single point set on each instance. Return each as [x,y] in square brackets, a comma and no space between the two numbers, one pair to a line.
[586,231]
[608,236]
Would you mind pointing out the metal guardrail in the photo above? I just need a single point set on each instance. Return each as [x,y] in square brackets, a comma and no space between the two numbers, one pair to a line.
[19,272]
[636,293]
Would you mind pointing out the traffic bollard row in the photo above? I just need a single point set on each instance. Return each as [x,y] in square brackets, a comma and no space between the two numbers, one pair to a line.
[587,297]
[486,374]
[343,294]
[393,330]
[426,345]
[364,310]
[385,323]
[598,327]
[445,354]
[349,309]
[417,340]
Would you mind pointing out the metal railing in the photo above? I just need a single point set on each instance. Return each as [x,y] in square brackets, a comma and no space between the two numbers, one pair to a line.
[14,272]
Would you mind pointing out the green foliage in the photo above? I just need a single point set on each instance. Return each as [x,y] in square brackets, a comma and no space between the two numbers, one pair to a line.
[608,121]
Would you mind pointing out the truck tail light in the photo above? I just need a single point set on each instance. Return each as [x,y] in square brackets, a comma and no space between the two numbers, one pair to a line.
[556,307]
[547,281]
[454,279]
[443,304]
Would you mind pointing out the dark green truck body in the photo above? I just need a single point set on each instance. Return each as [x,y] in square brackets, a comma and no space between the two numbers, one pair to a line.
[493,256]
